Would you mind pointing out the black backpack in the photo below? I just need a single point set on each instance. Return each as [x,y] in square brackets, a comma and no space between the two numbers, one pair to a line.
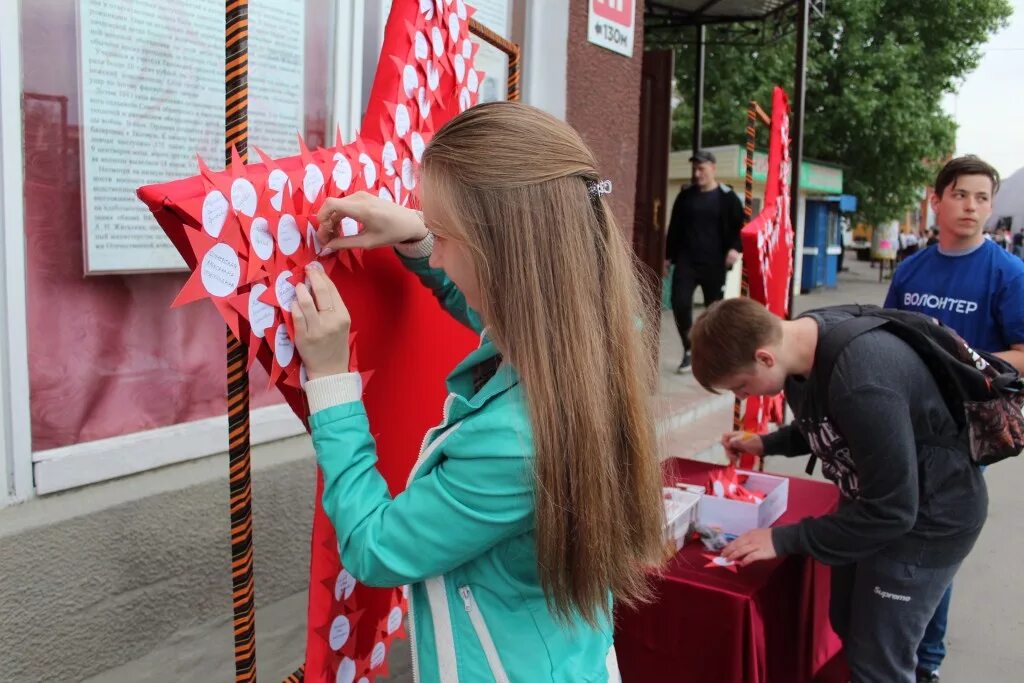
[984,393]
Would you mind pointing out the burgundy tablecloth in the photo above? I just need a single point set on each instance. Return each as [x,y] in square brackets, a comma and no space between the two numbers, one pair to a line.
[766,623]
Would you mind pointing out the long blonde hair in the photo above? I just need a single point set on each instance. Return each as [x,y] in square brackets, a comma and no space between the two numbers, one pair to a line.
[560,295]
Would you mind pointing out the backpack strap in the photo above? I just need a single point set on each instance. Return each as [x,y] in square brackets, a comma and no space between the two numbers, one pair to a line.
[827,353]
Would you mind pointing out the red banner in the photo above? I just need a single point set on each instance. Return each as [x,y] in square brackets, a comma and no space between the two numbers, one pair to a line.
[768,250]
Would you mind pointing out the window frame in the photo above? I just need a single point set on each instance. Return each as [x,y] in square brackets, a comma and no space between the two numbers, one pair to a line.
[15,423]
[24,473]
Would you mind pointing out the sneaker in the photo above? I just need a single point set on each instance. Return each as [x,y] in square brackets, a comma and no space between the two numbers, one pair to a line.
[925,676]
[684,366]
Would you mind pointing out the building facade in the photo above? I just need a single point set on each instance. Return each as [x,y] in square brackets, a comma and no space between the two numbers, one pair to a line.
[114,543]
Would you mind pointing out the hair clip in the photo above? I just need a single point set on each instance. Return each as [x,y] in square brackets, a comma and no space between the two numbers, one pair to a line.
[599,189]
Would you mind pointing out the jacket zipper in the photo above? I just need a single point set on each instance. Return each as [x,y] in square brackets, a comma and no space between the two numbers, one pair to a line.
[412,473]
[480,626]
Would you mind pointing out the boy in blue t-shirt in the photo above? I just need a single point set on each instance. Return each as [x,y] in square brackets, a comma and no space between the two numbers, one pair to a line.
[972,285]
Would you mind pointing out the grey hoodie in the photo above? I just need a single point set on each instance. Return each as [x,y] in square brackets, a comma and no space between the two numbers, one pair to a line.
[903,496]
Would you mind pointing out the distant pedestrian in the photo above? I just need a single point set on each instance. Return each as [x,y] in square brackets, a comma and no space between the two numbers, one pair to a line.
[703,243]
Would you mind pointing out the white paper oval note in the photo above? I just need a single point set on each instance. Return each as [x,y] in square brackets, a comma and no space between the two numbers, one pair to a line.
[417,145]
[342,173]
[349,227]
[460,8]
[312,182]
[437,38]
[385,194]
[243,197]
[284,290]
[284,349]
[453,26]
[473,81]
[277,181]
[402,121]
[340,630]
[467,48]
[465,100]
[422,47]
[261,315]
[369,170]
[408,173]
[423,100]
[288,236]
[460,68]
[215,213]
[377,655]
[221,270]
[261,239]
[312,240]
[346,671]
[394,619]
[388,158]
[345,584]
[433,76]
[410,80]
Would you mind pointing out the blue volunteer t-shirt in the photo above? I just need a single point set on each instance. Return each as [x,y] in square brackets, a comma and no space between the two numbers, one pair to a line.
[979,294]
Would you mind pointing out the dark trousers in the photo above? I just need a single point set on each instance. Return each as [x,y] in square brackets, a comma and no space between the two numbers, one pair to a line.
[879,608]
[685,281]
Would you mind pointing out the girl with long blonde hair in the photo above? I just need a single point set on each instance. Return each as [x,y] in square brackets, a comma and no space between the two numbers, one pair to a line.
[535,503]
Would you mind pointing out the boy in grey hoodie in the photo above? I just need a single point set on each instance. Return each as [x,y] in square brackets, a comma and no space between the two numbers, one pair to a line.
[910,512]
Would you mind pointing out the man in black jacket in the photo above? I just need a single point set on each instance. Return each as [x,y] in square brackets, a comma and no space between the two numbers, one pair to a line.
[913,501]
[703,243]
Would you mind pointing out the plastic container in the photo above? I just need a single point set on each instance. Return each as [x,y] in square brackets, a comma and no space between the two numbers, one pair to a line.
[680,511]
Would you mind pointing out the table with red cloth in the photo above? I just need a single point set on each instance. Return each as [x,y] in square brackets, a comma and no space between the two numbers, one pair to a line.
[764,623]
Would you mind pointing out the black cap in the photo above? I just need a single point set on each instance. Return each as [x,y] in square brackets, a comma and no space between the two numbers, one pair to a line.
[702,155]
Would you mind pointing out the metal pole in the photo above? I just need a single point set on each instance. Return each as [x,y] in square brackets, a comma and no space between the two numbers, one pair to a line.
[797,127]
[236,135]
[698,90]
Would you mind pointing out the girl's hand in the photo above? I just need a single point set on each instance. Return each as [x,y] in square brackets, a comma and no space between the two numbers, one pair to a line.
[384,223]
[322,324]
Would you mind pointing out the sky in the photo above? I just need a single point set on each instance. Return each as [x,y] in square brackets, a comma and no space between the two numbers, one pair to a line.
[988,105]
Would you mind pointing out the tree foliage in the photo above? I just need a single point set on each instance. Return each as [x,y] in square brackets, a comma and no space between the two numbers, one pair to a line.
[876,74]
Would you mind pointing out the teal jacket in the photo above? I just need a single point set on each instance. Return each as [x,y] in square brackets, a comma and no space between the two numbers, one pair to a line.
[462,533]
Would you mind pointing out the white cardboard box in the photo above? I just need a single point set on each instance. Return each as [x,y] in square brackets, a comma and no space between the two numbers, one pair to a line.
[680,510]
[736,517]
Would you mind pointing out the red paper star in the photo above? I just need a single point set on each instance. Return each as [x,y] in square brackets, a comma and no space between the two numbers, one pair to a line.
[719,562]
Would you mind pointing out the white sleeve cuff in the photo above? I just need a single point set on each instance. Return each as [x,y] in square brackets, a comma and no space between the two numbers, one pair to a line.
[420,249]
[333,390]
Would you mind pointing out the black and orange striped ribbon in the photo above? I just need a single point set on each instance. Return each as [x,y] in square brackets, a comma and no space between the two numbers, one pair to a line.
[506,46]
[236,135]
[754,113]
[298,676]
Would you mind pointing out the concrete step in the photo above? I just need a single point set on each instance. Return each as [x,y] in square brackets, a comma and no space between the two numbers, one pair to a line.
[698,438]
[689,403]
